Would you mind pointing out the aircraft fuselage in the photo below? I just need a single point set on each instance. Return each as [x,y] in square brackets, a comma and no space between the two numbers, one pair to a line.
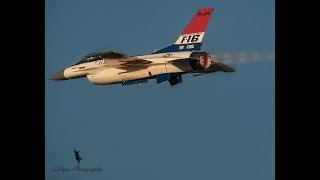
[105,71]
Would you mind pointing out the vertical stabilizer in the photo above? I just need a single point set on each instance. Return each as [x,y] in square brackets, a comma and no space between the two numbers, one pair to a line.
[191,37]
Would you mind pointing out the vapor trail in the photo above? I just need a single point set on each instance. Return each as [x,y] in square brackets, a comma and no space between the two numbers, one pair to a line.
[243,57]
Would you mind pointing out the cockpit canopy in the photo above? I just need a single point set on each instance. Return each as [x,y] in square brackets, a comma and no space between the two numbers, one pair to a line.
[90,57]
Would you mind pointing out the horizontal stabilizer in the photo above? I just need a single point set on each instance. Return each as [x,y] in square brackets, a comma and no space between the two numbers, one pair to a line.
[222,67]
[214,67]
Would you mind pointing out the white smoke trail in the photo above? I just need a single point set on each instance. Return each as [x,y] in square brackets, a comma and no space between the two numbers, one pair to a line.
[243,57]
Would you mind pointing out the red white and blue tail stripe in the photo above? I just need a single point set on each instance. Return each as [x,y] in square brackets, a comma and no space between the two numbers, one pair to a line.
[191,37]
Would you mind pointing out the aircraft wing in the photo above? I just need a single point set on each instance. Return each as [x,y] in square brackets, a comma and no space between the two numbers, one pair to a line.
[114,55]
[128,63]
[121,60]
[214,67]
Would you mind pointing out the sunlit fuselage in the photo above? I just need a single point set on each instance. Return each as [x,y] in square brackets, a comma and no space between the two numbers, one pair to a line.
[107,71]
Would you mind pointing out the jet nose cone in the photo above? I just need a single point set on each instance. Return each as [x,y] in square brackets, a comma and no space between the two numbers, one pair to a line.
[59,76]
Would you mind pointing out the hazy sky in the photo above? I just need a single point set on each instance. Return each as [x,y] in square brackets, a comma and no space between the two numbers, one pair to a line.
[216,126]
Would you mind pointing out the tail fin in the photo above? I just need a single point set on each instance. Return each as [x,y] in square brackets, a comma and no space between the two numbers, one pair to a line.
[191,37]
